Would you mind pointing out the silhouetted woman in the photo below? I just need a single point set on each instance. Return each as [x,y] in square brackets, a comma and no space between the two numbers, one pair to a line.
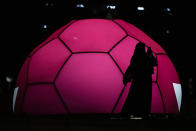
[140,72]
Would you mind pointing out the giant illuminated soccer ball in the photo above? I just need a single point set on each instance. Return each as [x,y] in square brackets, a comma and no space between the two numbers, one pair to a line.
[79,69]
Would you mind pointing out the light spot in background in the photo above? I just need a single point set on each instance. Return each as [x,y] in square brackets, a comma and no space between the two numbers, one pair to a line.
[111,7]
[168,9]
[8,79]
[167,31]
[80,6]
[45,26]
[140,8]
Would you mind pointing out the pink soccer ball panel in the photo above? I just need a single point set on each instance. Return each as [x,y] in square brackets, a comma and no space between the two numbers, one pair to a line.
[90,83]
[59,31]
[141,36]
[46,62]
[157,102]
[123,52]
[51,37]
[122,99]
[167,75]
[92,35]
[21,83]
[22,76]
[43,99]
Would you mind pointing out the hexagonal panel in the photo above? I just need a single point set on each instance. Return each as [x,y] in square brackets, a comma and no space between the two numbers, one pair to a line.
[122,99]
[59,31]
[22,76]
[90,83]
[51,37]
[141,36]
[36,104]
[46,62]
[92,35]
[123,52]
[167,75]
[157,103]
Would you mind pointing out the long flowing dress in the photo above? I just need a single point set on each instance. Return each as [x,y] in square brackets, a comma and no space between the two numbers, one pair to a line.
[140,93]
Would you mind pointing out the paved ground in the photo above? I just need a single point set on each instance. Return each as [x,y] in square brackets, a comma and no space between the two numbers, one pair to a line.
[94,123]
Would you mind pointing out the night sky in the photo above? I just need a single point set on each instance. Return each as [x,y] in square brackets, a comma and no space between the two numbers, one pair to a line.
[27,23]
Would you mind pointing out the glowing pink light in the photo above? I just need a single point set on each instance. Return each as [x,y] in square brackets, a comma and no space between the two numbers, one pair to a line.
[79,69]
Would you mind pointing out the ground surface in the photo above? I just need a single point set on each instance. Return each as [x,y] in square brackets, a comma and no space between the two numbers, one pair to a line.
[94,123]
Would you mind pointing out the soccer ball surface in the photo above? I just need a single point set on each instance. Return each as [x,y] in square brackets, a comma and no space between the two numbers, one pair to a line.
[80,67]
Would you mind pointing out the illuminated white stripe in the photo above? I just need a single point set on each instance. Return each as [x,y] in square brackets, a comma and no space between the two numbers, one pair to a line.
[135,118]
[14,97]
[178,92]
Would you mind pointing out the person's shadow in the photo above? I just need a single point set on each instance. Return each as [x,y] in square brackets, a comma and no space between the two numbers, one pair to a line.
[139,72]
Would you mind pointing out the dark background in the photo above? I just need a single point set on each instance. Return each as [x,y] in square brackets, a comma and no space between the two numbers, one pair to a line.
[22,29]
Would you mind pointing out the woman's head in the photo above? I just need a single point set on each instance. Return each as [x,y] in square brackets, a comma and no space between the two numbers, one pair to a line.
[140,48]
